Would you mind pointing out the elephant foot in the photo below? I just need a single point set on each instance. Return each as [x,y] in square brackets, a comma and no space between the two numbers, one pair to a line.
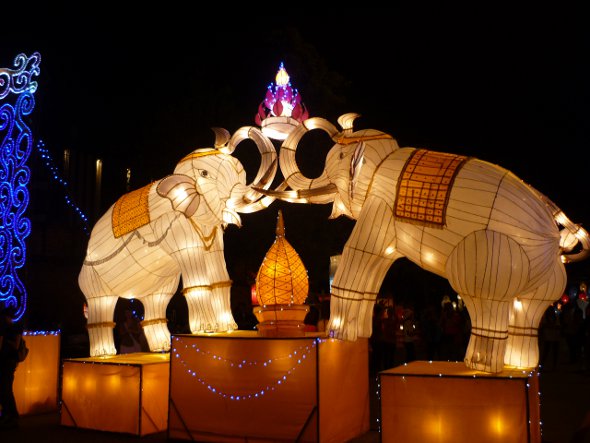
[485,351]
[157,334]
[102,342]
[344,319]
[522,348]
[209,312]
[208,327]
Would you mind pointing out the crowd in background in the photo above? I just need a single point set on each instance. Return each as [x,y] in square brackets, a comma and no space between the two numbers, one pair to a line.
[441,331]
[564,335]
[401,333]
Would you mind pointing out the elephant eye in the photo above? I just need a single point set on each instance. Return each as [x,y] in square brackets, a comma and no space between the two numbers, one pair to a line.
[204,173]
[341,155]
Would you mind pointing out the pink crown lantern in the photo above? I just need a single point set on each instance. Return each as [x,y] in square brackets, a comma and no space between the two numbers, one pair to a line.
[281,110]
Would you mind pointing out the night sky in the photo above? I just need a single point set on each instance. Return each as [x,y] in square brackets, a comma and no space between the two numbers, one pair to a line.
[141,90]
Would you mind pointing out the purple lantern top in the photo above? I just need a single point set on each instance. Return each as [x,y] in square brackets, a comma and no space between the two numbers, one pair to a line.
[282,108]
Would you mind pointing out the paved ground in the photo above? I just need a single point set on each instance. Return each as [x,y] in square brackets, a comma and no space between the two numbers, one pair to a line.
[565,413]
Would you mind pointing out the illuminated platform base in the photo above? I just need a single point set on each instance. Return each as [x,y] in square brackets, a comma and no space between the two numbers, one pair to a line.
[242,387]
[124,393]
[280,320]
[447,402]
[36,379]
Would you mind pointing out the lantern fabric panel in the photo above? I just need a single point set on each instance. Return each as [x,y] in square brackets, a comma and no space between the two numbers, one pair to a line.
[244,386]
[446,402]
[125,394]
[36,380]
[232,387]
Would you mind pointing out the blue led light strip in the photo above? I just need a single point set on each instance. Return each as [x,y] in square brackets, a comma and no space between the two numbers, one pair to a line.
[15,148]
[54,173]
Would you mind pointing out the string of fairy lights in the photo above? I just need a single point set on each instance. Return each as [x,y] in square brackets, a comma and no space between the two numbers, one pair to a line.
[298,356]
[55,175]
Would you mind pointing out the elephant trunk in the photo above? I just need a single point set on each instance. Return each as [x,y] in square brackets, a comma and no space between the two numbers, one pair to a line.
[303,189]
[574,241]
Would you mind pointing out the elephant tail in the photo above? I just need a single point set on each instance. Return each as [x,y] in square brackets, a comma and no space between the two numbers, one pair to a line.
[574,241]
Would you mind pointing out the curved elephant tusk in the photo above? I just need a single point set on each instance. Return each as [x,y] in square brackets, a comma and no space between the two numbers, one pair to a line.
[346,121]
[579,233]
[288,161]
[264,202]
[302,195]
[266,172]
[221,137]
[251,199]
[582,237]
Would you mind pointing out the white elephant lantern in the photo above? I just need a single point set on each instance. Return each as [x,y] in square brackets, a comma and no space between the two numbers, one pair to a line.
[171,228]
[282,286]
[500,243]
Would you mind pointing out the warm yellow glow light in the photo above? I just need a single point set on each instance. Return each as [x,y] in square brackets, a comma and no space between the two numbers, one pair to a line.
[282,77]
[114,383]
[389,250]
[434,428]
[517,304]
[497,425]
[336,322]
[225,317]
[428,257]
[180,194]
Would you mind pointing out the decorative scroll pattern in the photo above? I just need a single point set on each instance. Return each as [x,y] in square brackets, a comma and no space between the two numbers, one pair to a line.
[131,211]
[15,148]
[19,80]
[425,184]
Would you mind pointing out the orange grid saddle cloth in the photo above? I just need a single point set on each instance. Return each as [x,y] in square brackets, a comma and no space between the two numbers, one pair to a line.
[131,211]
[424,186]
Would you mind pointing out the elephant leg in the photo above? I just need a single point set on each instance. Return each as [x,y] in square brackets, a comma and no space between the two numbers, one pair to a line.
[221,302]
[487,269]
[201,311]
[101,312]
[526,312]
[209,308]
[366,257]
[207,289]
[489,332]
[154,324]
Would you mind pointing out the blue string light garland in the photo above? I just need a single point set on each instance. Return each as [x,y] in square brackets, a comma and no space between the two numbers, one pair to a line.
[54,173]
[299,357]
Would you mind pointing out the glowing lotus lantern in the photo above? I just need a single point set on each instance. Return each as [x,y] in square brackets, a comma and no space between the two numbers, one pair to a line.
[281,288]
[281,110]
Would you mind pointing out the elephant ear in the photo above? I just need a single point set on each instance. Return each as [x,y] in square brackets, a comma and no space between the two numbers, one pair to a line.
[181,190]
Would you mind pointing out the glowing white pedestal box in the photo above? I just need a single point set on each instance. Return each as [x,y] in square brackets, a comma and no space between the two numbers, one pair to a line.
[242,387]
[446,402]
[36,379]
[125,393]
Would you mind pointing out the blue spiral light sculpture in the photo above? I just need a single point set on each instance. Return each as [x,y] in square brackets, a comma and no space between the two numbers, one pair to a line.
[15,148]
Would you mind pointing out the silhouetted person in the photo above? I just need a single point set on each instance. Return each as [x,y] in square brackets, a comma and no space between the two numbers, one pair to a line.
[10,337]
[572,323]
[131,334]
[376,340]
[311,319]
[410,334]
[550,330]
[390,327]
[431,332]
[451,324]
